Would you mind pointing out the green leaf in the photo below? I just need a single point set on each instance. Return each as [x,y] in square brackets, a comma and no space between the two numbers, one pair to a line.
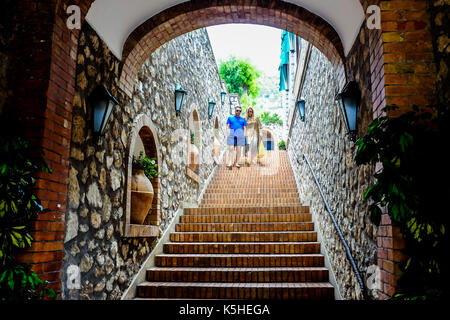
[14,207]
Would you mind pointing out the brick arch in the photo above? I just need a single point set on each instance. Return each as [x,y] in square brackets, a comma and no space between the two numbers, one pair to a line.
[171,23]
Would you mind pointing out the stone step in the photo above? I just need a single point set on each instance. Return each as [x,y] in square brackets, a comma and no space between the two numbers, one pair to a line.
[247,218]
[241,248]
[246,195]
[248,190]
[284,236]
[247,210]
[242,227]
[255,184]
[276,274]
[203,290]
[239,260]
[255,170]
[250,205]
[249,202]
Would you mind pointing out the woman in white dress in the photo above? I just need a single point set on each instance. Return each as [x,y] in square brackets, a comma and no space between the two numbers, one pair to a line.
[252,135]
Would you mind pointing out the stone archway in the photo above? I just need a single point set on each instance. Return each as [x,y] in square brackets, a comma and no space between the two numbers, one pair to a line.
[269,140]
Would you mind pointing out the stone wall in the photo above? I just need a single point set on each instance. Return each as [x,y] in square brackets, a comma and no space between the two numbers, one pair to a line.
[277,130]
[323,139]
[107,261]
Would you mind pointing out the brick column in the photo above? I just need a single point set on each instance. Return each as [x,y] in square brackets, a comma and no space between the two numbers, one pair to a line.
[390,244]
[42,77]
[408,54]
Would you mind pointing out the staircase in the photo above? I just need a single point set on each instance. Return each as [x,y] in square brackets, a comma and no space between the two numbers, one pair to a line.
[249,239]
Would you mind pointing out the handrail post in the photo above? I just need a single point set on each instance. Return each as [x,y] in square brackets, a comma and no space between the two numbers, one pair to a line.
[338,229]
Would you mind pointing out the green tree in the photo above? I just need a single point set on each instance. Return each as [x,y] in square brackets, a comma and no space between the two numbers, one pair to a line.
[265,117]
[241,77]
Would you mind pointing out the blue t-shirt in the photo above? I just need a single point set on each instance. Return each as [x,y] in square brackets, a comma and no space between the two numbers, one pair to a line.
[237,125]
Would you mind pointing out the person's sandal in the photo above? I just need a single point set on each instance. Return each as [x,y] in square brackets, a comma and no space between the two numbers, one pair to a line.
[238,166]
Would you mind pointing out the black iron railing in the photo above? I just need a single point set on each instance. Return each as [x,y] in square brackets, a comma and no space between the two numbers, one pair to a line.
[341,236]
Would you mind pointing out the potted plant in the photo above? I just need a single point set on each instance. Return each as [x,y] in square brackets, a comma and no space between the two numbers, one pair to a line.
[142,192]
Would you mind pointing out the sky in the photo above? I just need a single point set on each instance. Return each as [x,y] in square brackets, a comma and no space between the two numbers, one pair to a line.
[261,44]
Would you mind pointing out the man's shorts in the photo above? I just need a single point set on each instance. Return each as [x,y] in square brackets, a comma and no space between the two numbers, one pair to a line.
[235,141]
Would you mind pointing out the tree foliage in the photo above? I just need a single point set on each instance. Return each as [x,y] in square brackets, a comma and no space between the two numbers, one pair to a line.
[413,186]
[18,208]
[240,76]
[265,117]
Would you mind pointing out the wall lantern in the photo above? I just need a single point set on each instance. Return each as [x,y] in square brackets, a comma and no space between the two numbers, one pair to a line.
[103,103]
[179,97]
[301,109]
[211,105]
[223,95]
[351,99]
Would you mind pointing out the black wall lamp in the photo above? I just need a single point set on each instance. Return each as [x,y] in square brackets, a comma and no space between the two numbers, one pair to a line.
[223,95]
[103,103]
[351,100]
[301,109]
[179,97]
[211,105]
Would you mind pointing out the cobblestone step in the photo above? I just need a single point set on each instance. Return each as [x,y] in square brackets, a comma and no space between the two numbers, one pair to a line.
[242,248]
[276,274]
[247,218]
[239,260]
[203,290]
[242,227]
[247,210]
[283,236]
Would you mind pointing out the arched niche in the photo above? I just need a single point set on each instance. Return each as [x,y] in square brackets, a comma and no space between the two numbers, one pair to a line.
[143,138]
[268,139]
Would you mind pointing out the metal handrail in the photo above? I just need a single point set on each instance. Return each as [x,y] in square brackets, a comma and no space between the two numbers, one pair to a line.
[341,236]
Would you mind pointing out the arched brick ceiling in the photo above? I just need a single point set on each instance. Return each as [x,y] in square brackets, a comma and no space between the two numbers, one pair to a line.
[115,20]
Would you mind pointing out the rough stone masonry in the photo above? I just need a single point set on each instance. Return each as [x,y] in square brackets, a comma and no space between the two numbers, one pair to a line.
[108,262]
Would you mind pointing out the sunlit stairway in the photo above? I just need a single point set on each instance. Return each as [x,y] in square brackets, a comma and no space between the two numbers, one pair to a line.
[250,239]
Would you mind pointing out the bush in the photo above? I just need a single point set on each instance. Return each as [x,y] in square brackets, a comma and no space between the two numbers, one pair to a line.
[413,185]
[282,145]
[267,118]
[18,208]
[149,165]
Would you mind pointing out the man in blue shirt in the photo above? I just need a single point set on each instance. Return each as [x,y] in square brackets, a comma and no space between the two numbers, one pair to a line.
[236,137]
